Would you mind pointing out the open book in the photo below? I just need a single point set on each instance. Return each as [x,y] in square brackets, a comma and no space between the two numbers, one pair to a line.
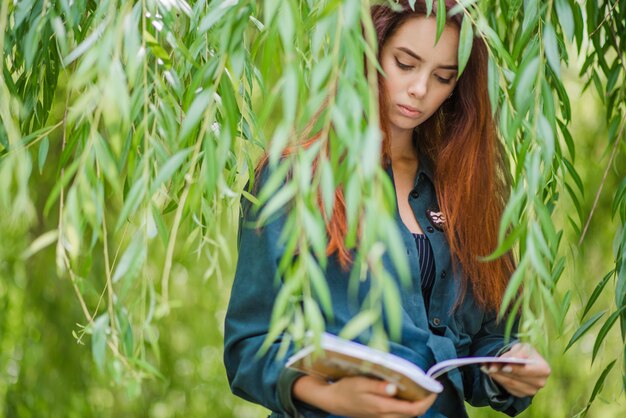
[341,358]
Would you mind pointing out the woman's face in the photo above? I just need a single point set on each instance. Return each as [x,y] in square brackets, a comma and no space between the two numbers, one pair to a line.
[419,74]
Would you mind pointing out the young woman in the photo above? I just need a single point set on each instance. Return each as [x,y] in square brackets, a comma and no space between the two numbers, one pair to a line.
[441,150]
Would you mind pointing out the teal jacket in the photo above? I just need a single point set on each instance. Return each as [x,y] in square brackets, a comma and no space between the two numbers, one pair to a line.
[426,339]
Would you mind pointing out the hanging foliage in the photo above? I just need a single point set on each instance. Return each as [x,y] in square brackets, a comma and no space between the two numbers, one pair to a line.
[152,115]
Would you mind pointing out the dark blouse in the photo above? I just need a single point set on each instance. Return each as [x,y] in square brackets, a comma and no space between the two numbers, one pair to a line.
[427,266]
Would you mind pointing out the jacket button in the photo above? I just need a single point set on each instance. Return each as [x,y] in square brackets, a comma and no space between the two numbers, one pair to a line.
[415,194]
[430,229]
[443,274]
[436,321]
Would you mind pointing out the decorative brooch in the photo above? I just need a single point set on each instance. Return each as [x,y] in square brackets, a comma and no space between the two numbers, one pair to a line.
[437,219]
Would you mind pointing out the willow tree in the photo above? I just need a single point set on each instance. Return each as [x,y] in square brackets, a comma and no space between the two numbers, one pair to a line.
[166,104]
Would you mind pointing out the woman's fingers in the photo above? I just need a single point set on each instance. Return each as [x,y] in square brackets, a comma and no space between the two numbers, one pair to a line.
[514,386]
[359,397]
[530,372]
[377,387]
[521,380]
[391,407]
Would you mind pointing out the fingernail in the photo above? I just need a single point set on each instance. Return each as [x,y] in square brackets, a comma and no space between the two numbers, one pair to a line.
[484,369]
[507,369]
[390,389]
[493,369]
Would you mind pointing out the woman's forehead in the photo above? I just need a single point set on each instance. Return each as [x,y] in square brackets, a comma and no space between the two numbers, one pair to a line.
[418,34]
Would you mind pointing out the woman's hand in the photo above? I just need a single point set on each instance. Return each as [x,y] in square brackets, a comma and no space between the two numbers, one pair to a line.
[521,380]
[358,397]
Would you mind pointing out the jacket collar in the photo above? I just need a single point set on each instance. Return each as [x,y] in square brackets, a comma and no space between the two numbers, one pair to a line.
[425,167]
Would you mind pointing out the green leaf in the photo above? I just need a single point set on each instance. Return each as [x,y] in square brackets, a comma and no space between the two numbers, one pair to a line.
[466,41]
[574,174]
[579,25]
[280,199]
[270,8]
[321,72]
[397,250]
[370,155]
[275,180]
[168,169]
[99,330]
[514,8]
[604,331]
[613,127]
[142,364]
[525,83]
[41,242]
[314,229]
[131,202]
[125,329]
[107,163]
[85,45]
[534,245]
[620,287]
[65,178]
[393,309]
[277,327]
[566,18]
[565,305]
[569,141]
[194,114]
[597,292]
[217,11]
[320,287]
[494,84]
[546,136]
[512,289]
[286,29]
[429,7]
[597,388]
[313,316]
[132,259]
[564,99]
[43,153]
[530,13]
[584,328]
[496,43]
[359,324]
[441,18]
[290,94]
[327,185]
[551,46]
[506,244]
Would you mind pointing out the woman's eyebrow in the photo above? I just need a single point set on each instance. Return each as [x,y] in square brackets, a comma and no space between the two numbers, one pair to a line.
[417,57]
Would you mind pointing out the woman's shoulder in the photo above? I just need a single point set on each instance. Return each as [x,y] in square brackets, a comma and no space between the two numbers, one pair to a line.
[268,174]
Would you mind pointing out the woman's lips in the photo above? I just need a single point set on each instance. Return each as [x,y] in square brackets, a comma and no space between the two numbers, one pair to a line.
[409,111]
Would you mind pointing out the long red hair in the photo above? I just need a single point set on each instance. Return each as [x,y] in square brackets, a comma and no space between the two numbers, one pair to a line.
[470,173]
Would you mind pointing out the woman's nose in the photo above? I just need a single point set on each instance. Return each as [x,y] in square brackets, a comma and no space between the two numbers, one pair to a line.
[419,86]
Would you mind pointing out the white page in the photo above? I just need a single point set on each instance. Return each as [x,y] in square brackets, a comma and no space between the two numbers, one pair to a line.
[447,365]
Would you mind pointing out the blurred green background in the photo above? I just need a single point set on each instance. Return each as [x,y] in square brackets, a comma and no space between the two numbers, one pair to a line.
[56,376]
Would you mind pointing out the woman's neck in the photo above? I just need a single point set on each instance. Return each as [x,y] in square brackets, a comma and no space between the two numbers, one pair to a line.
[401,146]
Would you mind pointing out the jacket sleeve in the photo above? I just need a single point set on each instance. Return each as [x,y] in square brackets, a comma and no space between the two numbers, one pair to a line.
[480,389]
[251,376]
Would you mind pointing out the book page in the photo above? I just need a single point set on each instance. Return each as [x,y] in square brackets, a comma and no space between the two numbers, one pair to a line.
[447,365]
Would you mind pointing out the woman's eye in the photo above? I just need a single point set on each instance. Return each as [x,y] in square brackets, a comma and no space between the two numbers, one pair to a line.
[443,80]
[402,66]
